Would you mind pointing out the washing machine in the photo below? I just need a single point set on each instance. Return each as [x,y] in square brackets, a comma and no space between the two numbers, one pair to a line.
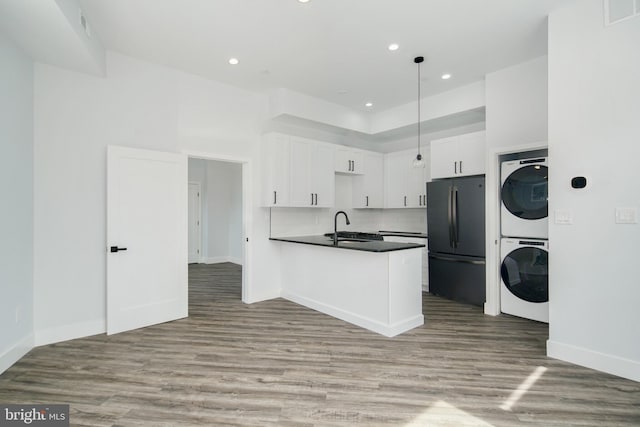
[524,210]
[524,290]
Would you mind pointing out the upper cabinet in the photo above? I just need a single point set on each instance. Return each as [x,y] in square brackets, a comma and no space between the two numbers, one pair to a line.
[460,155]
[368,188]
[298,173]
[312,180]
[405,186]
[349,161]
[275,183]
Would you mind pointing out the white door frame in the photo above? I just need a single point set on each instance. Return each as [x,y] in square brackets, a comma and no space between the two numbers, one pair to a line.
[199,185]
[492,220]
[247,209]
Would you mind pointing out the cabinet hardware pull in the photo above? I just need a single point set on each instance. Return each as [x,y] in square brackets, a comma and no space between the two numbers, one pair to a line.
[405,200]
[311,199]
[460,166]
[316,199]
[367,200]
[455,167]
[275,197]
[353,169]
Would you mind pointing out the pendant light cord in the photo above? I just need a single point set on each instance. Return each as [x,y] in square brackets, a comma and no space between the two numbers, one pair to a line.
[419,129]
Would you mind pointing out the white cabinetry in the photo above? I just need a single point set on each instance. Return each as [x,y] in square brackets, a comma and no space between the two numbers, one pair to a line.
[460,155]
[311,179]
[425,255]
[368,188]
[275,152]
[298,172]
[349,161]
[405,186]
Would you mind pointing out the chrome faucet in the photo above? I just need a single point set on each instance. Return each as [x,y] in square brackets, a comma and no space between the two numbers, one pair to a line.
[335,226]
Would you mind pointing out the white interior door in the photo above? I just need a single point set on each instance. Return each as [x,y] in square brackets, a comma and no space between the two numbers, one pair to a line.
[194,222]
[147,215]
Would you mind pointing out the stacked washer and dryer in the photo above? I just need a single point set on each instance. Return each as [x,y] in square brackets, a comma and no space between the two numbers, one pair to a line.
[524,247]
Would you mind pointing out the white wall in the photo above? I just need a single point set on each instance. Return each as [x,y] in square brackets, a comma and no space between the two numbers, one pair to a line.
[594,131]
[139,105]
[16,193]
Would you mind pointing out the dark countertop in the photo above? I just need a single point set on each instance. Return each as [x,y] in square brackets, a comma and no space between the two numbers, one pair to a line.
[365,245]
[403,234]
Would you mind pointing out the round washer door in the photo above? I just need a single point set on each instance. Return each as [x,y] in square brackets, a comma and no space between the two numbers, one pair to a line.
[525,273]
[524,192]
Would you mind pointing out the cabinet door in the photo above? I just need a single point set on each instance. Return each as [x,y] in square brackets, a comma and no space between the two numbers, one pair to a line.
[444,153]
[374,177]
[395,177]
[300,193]
[349,161]
[323,176]
[471,154]
[357,162]
[342,161]
[416,187]
[368,188]
[275,152]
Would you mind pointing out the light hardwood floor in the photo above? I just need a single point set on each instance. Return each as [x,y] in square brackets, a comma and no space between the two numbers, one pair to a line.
[275,363]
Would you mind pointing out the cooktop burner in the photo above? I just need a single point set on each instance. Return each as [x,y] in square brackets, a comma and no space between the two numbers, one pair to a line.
[356,235]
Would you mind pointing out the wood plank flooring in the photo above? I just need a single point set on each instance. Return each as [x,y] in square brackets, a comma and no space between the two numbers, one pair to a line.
[275,363]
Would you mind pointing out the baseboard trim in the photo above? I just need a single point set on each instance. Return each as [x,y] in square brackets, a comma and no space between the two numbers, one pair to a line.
[364,322]
[15,352]
[221,259]
[610,364]
[69,332]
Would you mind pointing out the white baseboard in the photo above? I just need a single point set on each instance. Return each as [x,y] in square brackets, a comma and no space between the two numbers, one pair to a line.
[69,332]
[221,259]
[364,322]
[15,352]
[608,363]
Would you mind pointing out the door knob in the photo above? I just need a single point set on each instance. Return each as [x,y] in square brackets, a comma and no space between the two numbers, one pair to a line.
[117,249]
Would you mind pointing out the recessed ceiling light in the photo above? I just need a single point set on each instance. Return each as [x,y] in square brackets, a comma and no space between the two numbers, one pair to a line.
[446,76]
[393,46]
[369,104]
[233,61]
[303,1]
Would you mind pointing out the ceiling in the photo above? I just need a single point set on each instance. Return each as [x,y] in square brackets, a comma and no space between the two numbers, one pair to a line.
[334,50]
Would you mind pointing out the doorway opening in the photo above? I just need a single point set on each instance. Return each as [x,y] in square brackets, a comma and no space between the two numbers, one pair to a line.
[217,226]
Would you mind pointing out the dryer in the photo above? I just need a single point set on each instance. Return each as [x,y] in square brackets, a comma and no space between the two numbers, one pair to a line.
[524,289]
[524,192]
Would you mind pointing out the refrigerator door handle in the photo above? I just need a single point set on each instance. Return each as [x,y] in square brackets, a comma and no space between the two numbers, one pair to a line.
[454,208]
[449,215]
[466,261]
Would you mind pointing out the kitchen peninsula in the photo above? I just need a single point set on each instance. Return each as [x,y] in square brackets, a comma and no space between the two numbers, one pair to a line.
[369,283]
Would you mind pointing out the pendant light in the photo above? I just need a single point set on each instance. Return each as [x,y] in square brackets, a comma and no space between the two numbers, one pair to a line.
[418,162]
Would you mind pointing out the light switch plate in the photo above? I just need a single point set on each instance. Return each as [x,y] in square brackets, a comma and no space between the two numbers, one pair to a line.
[626,215]
[563,217]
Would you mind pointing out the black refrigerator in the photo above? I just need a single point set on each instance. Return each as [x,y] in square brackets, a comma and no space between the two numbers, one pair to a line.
[455,223]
